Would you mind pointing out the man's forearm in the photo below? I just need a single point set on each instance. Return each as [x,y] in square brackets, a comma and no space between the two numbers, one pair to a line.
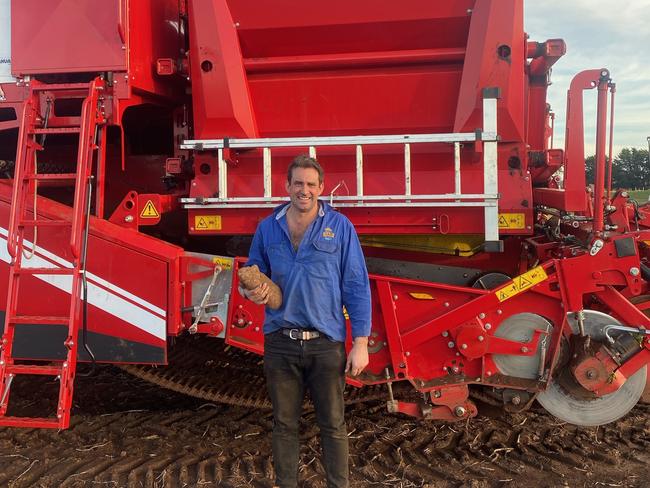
[361,341]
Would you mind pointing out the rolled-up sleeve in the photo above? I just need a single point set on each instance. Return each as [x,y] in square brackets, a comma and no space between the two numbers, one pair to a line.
[355,286]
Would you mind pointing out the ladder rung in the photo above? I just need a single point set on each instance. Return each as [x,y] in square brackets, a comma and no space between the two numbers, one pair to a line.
[57,130]
[38,319]
[40,369]
[33,422]
[51,176]
[45,271]
[61,87]
[45,223]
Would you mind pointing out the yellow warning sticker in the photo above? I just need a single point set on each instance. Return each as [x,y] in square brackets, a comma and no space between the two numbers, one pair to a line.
[512,221]
[149,211]
[225,263]
[521,283]
[421,296]
[207,222]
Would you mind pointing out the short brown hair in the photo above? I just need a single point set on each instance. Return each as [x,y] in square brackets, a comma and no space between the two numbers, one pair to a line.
[305,161]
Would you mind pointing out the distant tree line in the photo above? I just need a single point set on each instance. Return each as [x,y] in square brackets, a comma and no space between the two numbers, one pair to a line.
[631,169]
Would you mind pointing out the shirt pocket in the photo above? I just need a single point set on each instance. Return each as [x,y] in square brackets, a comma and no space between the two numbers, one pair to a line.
[325,257]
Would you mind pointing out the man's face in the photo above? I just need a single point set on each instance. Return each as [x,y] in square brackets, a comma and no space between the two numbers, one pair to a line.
[304,189]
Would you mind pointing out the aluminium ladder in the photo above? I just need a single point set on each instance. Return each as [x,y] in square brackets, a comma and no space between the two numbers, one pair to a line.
[489,199]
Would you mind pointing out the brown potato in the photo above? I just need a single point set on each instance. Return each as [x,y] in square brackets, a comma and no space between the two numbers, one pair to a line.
[251,277]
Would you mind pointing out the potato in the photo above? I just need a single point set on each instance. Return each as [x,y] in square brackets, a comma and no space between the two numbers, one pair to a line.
[251,277]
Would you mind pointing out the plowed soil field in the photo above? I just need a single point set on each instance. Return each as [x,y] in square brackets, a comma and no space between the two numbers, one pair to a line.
[128,433]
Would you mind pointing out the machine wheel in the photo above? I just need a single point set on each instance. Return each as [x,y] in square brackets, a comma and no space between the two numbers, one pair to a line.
[489,281]
[521,328]
[568,401]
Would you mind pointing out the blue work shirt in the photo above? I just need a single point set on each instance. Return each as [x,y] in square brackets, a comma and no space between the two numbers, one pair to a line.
[325,273]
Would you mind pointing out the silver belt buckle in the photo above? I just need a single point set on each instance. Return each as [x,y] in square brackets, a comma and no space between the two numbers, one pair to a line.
[298,337]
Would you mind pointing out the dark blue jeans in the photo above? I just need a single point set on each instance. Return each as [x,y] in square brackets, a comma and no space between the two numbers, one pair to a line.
[291,367]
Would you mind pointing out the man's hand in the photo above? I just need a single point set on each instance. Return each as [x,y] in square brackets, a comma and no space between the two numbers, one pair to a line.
[258,295]
[358,357]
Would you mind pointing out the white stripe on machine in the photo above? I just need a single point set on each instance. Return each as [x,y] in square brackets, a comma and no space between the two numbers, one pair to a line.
[113,300]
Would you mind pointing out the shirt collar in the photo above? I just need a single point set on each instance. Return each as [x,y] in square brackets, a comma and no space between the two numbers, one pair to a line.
[283,210]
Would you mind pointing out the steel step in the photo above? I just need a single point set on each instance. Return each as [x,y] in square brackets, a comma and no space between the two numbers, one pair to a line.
[61,87]
[45,223]
[40,369]
[51,176]
[56,130]
[33,422]
[38,319]
[45,271]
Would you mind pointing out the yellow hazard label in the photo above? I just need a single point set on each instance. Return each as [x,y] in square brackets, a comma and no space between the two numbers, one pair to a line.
[512,221]
[207,222]
[225,263]
[421,296]
[149,211]
[521,283]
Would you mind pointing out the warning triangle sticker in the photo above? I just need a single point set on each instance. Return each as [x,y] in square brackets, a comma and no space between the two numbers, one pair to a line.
[524,282]
[149,211]
[201,224]
[503,222]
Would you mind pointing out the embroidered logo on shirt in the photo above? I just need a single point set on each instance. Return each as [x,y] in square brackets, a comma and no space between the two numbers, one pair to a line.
[328,234]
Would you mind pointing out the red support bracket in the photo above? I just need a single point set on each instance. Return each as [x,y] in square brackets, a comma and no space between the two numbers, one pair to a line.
[137,210]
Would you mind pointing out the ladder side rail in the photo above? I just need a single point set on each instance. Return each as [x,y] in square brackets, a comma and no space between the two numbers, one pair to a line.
[223,173]
[25,161]
[84,154]
[101,173]
[457,180]
[266,161]
[319,141]
[407,170]
[87,146]
[7,339]
[359,163]
[69,366]
[490,168]
[208,201]
[24,154]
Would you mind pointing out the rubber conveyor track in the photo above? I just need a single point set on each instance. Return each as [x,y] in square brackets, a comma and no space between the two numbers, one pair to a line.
[210,369]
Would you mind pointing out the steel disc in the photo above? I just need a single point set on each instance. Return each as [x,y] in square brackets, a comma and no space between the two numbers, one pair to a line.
[595,323]
[520,328]
[579,409]
[490,281]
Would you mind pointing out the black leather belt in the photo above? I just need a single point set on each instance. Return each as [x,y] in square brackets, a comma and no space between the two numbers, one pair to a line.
[301,334]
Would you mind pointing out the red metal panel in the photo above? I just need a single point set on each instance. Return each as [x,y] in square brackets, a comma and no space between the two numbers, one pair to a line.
[219,87]
[327,69]
[66,36]
[414,99]
[69,36]
[123,265]
[495,58]
[153,33]
[290,28]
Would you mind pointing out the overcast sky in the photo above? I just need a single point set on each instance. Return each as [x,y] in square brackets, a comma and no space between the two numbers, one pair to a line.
[599,34]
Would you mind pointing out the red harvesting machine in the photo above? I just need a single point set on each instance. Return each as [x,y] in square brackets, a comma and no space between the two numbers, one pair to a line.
[142,141]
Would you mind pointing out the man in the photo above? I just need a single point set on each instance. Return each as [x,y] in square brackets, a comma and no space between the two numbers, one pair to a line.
[313,254]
